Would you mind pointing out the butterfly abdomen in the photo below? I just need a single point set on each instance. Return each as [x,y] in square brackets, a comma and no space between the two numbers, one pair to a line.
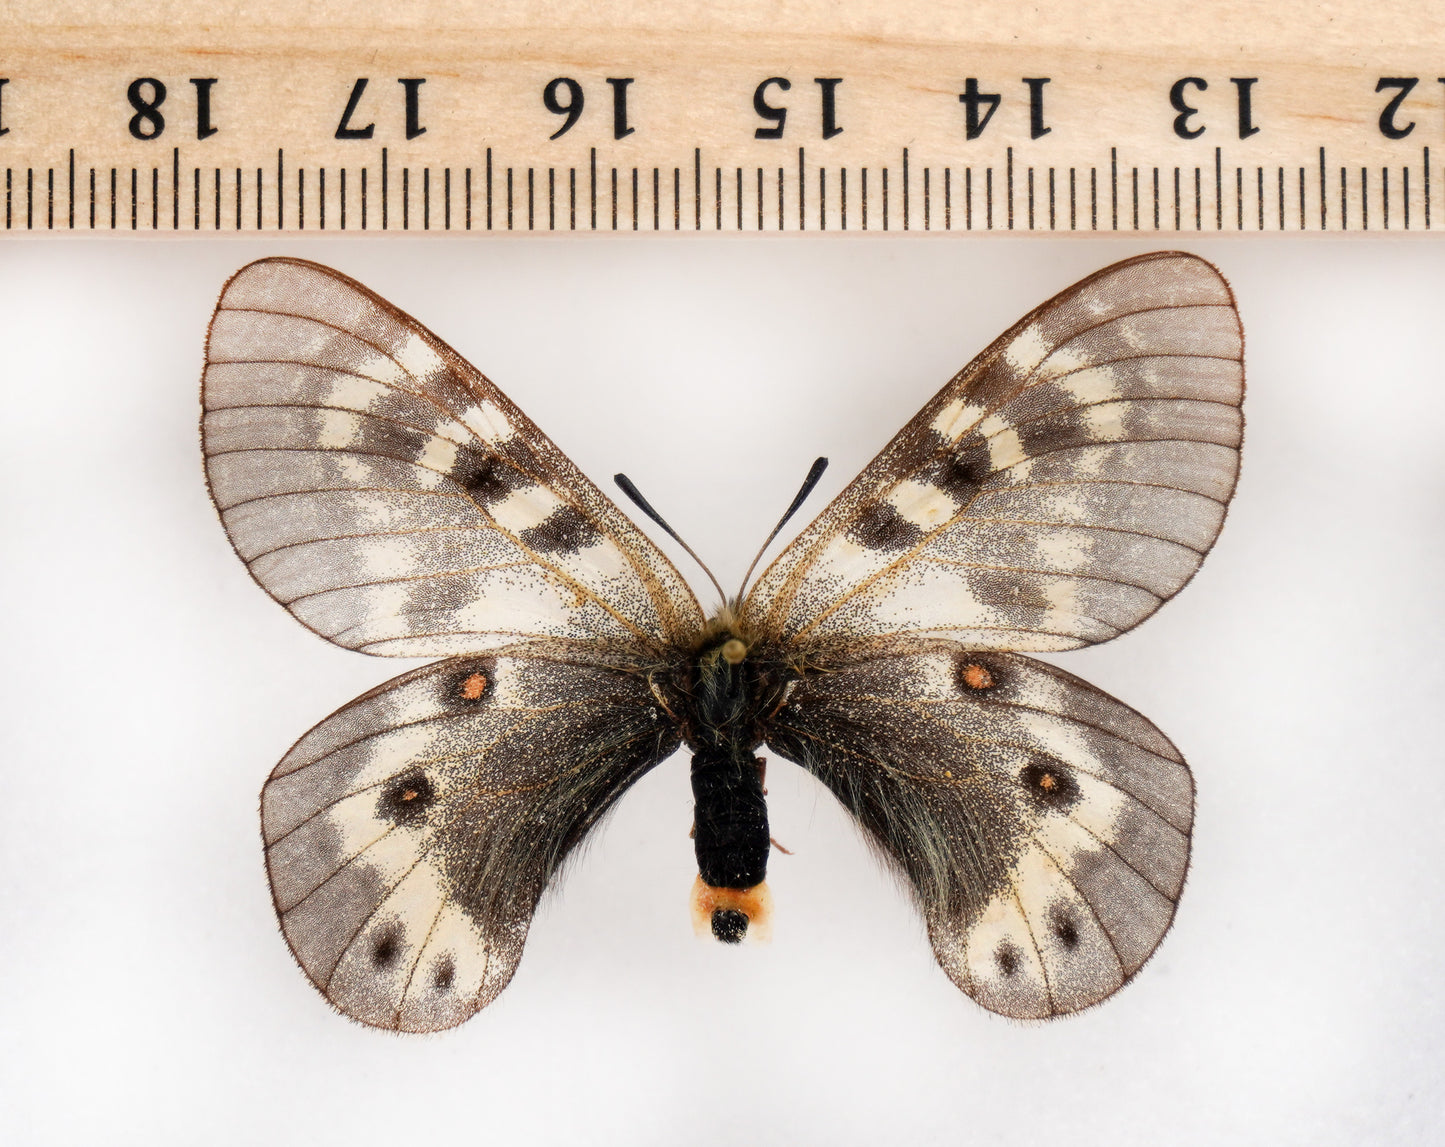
[730,812]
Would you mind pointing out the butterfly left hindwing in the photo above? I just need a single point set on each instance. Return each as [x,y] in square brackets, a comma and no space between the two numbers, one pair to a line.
[410,835]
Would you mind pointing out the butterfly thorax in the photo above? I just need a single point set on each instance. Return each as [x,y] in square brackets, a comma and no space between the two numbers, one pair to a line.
[727,693]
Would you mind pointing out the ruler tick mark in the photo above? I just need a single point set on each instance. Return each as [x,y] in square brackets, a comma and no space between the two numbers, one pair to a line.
[905,193]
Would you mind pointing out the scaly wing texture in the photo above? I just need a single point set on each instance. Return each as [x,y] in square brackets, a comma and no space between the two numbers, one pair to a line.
[1043,824]
[393,499]
[1054,494]
[409,835]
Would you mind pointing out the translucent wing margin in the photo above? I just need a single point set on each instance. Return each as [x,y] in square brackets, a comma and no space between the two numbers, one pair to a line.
[410,835]
[1043,825]
[393,499]
[1052,495]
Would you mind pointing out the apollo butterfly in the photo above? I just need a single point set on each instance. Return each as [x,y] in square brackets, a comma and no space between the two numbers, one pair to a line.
[1052,495]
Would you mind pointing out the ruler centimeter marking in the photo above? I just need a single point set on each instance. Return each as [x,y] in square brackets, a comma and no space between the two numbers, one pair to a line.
[289,130]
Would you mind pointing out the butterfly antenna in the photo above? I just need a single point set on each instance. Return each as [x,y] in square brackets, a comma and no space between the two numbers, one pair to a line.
[624,483]
[814,473]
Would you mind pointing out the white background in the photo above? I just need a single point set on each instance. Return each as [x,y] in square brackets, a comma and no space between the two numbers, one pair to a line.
[149,686]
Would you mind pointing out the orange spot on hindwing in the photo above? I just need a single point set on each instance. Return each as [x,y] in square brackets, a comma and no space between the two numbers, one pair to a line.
[473,686]
[977,676]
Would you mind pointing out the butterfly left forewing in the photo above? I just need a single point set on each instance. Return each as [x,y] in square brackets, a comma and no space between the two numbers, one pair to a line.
[410,835]
[1043,825]
[393,499]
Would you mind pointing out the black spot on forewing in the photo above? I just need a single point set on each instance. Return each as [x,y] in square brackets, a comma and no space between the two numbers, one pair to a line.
[386,947]
[564,530]
[1011,590]
[961,471]
[881,527]
[1062,431]
[444,974]
[487,479]
[405,799]
[390,439]
[956,468]
[1050,784]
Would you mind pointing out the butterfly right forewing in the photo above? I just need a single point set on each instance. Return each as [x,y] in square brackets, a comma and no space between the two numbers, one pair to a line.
[1054,494]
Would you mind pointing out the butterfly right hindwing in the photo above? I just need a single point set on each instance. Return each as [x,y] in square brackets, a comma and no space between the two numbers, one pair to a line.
[410,835]
[1044,826]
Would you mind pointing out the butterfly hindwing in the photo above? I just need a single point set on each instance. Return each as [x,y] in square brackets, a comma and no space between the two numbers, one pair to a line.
[410,835]
[1043,825]
[1053,494]
[393,499]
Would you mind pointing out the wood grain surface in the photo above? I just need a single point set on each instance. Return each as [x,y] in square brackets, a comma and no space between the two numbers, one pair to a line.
[1233,117]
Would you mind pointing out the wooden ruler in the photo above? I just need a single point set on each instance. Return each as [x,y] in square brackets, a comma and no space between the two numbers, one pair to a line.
[636,116]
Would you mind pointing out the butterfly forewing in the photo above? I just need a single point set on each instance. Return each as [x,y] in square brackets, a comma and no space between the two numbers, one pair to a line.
[1053,494]
[393,499]
[1043,824]
[410,835]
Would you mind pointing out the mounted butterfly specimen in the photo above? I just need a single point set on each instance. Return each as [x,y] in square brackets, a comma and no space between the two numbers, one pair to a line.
[1053,495]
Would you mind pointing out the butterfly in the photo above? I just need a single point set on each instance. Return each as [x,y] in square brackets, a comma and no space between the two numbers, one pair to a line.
[1052,495]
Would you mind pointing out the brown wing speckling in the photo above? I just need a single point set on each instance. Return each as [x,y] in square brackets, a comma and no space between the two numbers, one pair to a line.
[410,835]
[1053,494]
[1043,825]
[393,499]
